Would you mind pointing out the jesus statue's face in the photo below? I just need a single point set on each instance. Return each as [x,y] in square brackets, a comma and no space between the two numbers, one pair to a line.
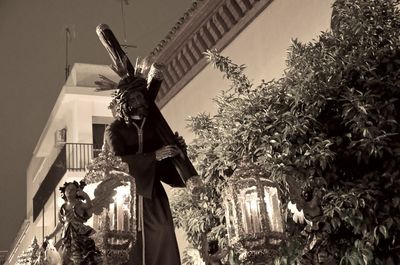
[137,105]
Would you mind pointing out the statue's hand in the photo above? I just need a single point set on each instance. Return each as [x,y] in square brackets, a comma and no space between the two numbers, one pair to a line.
[180,141]
[167,151]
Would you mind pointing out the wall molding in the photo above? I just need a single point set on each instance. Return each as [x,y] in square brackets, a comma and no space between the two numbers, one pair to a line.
[208,24]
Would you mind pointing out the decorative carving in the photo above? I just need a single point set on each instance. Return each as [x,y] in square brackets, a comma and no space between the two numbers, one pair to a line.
[207,24]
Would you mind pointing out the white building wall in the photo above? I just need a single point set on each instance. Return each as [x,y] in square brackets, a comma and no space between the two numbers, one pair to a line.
[79,128]
[75,110]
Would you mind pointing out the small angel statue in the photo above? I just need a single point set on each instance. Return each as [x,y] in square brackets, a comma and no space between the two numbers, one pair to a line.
[77,246]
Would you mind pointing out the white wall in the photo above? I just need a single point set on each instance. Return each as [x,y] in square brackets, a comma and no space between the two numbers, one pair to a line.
[262,46]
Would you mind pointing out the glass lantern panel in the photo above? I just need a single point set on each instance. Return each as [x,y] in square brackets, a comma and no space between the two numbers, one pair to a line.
[119,210]
[250,207]
[273,208]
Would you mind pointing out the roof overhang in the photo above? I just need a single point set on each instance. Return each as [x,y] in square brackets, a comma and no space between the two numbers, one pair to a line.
[79,85]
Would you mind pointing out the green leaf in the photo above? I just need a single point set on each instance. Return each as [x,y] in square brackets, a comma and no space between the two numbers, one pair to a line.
[383,231]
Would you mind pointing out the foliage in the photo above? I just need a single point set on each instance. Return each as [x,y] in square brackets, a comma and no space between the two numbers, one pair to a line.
[29,256]
[332,122]
[201,218]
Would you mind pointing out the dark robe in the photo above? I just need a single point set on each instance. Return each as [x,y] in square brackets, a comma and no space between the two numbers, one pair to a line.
[160,242]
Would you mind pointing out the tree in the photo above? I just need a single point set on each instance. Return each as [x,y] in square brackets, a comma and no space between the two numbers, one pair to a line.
[331,122]
[29,256]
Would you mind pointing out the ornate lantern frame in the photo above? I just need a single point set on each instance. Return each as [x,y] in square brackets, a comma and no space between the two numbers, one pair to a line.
[253,214]
[110,172]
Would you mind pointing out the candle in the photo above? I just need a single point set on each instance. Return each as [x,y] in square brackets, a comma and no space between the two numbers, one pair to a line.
[120,216]
[115,217]
[126,215]
[111,214]
[252,212]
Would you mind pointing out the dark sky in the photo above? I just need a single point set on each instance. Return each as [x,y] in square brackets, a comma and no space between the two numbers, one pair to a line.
[32,62]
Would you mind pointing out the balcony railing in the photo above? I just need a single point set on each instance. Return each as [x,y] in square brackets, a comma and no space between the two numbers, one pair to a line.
[72,157]
[78,156]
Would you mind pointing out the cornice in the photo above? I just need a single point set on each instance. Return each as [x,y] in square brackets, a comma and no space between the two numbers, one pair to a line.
[208,24]
[181,21]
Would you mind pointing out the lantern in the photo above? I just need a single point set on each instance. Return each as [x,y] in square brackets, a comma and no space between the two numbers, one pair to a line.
[253,214]
[114,206]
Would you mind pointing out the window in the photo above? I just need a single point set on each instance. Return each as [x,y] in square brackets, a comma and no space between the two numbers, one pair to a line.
[98,137]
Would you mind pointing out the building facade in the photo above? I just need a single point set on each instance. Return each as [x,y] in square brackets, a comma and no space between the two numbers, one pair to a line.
[256,33]
[72,136]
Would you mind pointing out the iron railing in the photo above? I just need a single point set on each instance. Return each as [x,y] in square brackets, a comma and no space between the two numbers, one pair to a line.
[78,156]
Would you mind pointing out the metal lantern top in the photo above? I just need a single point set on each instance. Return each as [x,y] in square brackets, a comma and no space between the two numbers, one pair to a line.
[253,213]
[100,167]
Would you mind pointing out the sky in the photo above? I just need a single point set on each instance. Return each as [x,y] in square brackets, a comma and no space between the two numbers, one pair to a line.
[32,72]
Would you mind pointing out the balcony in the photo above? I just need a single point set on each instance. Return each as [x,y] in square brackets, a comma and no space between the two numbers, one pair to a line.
[78,156]
[72,157]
